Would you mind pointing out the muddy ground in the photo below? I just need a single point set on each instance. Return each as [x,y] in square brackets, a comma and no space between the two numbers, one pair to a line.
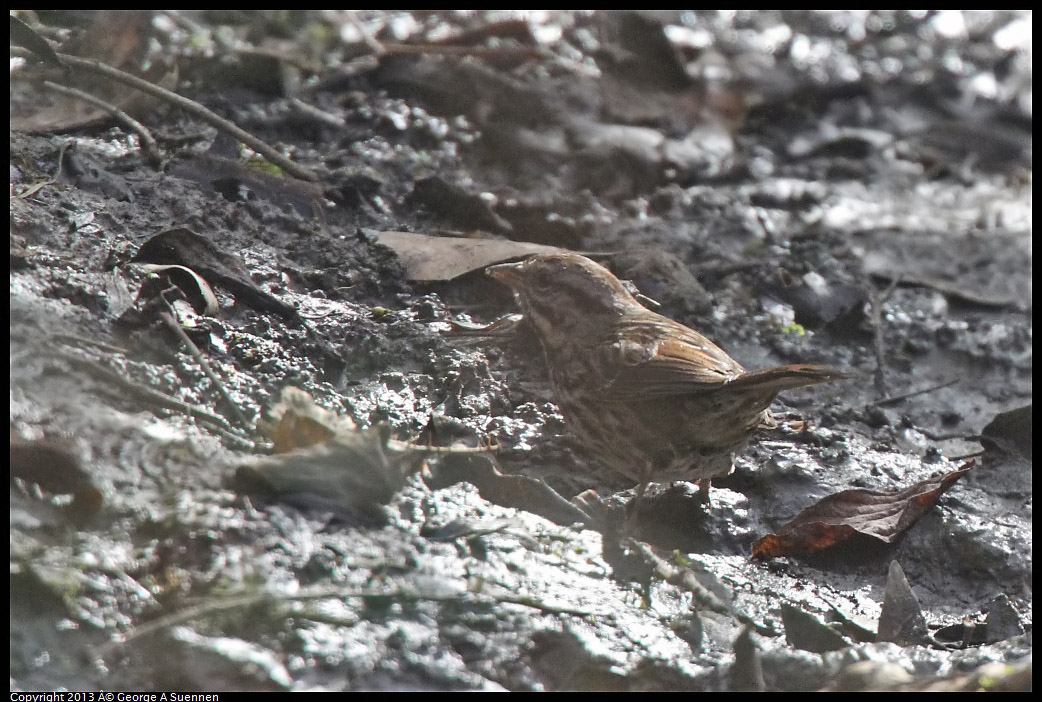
[847,188]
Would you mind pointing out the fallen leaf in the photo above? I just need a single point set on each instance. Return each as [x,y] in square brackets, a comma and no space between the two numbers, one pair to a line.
[353,474]
[884,516]
[297,421]
[806,632]
[1010,432]
[901,619]
[433,258]
[193,285]
[183,247]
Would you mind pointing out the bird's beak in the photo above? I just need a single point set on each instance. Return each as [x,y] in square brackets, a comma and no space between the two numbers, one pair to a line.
[506,273]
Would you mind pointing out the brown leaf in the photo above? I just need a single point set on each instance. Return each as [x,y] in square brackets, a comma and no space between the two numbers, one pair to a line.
[183,247]
[806,632]
[884,516]
[194,286]
[352,474]
[297,421]
[431,258]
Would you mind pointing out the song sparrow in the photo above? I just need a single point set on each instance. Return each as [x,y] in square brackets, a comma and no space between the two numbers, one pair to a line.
[645,395]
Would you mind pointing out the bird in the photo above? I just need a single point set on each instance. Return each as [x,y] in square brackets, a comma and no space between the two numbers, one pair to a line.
[645,396]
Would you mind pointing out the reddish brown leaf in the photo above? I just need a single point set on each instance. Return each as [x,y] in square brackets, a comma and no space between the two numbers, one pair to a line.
[837,518]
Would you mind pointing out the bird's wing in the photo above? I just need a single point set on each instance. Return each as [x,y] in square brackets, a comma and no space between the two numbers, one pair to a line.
[664,358]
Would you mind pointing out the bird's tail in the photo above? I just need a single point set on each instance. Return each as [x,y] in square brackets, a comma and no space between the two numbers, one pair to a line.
[788,377]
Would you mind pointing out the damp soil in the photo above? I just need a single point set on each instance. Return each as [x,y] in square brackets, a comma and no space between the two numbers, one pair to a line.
[842,188]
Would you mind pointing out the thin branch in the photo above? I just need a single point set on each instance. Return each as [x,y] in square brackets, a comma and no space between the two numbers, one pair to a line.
[877,325]
[482,52]
[213,607]
[168,319]
[316,113]
[375,46]
[913,393]
[148,144]
[194,108]
[683,578]
[218,423]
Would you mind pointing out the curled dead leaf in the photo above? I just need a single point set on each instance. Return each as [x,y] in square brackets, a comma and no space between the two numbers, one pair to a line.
[196,290]
[883,516]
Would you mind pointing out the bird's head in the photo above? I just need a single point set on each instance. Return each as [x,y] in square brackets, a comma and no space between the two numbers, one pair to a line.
[565,294]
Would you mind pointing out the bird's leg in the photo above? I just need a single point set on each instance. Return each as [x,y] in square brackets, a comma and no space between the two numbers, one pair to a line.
[703,490]
[634,507]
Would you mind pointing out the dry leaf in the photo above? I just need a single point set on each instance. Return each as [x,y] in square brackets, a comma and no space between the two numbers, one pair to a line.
[193,285]
[298,422]
[901,619]
[351,475]
[433,258]
[1010,432]
[837,518]
[182,246]
[323,461]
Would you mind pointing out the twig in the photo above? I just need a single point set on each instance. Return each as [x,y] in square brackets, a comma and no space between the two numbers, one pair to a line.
[168,319]
[952,290]
[216,422]
[194,108]
[382,48]
[933,436]
[34,188]
[482,52]
[148,144]
[877,326]
[684,578]
[913,393]
[316,113]
[76,340]
[193,349]
[420,448]
[975,454]
[404,594]
[375,46]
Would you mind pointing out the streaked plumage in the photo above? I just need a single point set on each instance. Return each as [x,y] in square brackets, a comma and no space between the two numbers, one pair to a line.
[648,397]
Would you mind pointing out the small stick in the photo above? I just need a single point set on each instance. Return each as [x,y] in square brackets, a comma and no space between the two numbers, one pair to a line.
[169,321]
[161,399]
[877,323]
[194,108]
[374,45]
[913,393]
[148,144]
[213,607]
